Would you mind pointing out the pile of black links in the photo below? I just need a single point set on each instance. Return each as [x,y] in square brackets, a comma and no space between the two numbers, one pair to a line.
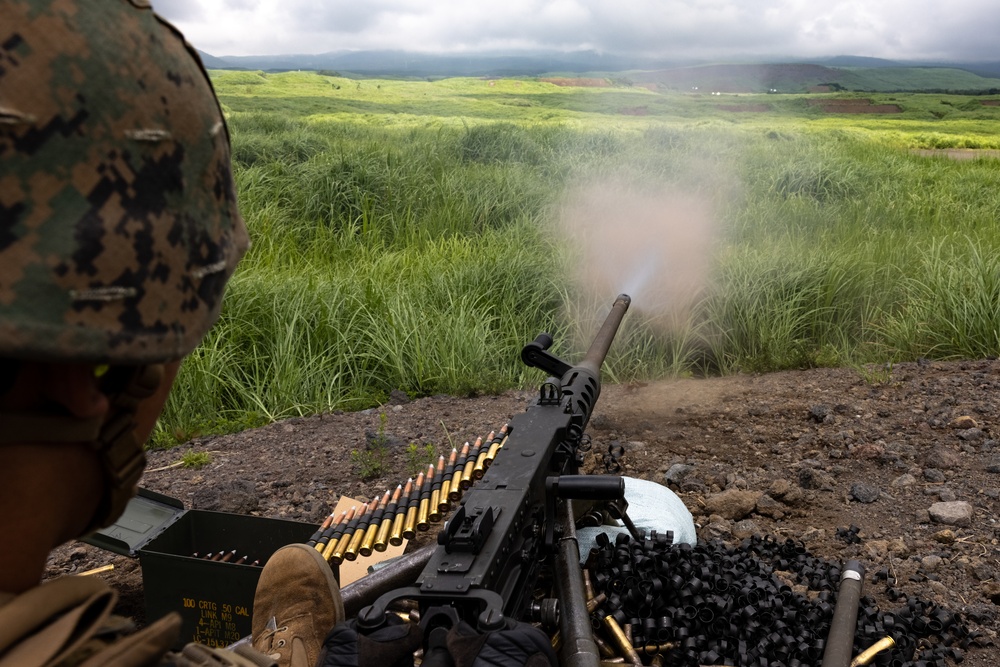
[716,605]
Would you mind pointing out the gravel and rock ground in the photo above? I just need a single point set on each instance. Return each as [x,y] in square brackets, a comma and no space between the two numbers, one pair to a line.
[896,466]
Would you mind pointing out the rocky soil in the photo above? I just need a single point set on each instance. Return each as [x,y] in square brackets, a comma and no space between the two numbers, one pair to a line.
[898,467]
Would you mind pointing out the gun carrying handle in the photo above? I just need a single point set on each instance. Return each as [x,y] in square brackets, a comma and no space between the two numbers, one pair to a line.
[578,487]
[588,487]
[534,354]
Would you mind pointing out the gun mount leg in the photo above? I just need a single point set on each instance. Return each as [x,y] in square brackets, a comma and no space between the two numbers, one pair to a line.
[578,646]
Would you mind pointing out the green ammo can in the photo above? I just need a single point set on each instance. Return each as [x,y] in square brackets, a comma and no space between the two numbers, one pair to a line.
[213,597]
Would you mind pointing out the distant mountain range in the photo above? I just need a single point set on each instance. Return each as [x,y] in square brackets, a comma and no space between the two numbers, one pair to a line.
[769,73]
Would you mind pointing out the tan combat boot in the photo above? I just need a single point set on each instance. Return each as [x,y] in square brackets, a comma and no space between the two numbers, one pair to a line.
[298,590]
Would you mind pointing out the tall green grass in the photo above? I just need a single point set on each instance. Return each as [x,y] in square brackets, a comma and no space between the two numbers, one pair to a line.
[409,246]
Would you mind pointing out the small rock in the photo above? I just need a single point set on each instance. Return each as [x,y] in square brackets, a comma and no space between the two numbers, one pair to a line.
[717,530]
[983,571]
[867,451]
[964,421]
[746,528]
[930,563]
[954,513]
[946,495]
[732,504]
[933,475]
[814,479]
[922,516]
[768,506]
[939,589]
[779,488]
[812,534]
[878,548]
[818,413]
[971,434]
[993,466]
[904,480]
[942,458]
[78,553]
[236,497]
[864,493]
[945,536]
[398,397]
[677,472]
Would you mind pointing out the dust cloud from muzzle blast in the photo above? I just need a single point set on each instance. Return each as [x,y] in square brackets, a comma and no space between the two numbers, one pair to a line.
[654,244]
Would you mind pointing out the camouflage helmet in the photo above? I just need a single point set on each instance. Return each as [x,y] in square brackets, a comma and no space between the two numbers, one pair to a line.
[118,218]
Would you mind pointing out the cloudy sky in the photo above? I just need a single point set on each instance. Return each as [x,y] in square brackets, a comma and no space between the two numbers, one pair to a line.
[899,29]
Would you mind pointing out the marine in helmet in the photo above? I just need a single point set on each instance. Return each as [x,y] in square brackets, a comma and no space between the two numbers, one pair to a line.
[118,232]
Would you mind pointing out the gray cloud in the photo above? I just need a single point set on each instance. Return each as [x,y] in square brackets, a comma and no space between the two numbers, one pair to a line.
[702,28]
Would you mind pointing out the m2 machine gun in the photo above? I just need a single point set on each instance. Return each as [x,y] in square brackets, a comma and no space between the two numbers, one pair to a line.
[516,523]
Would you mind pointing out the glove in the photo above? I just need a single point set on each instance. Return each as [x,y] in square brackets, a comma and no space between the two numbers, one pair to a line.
[519,645]
[389,646]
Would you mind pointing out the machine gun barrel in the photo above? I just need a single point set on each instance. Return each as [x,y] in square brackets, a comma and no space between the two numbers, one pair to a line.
[602,341]
[489,554]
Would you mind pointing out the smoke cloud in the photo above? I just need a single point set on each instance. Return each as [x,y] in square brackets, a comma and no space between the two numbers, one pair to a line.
[654,245]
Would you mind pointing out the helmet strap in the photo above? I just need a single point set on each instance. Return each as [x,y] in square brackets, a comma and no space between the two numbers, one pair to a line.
[112,436]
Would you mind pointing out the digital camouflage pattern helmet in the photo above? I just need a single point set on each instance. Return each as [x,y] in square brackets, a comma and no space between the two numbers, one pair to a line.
[118,218]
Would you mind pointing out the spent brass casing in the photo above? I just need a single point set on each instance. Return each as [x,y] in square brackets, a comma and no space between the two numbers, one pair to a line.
[604,648]
[869,653]
[657,660]
[657,649]
[588,587]
[620,640]
[595,602]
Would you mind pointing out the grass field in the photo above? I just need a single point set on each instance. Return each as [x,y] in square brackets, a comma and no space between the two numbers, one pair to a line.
[414,235]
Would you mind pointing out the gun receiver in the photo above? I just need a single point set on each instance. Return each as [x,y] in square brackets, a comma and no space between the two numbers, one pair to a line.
[505,529]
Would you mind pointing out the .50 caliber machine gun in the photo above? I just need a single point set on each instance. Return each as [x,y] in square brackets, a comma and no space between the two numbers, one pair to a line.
[516,522]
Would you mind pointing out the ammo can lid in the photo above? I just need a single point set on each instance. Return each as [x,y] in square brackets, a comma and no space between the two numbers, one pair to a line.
[146,516]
